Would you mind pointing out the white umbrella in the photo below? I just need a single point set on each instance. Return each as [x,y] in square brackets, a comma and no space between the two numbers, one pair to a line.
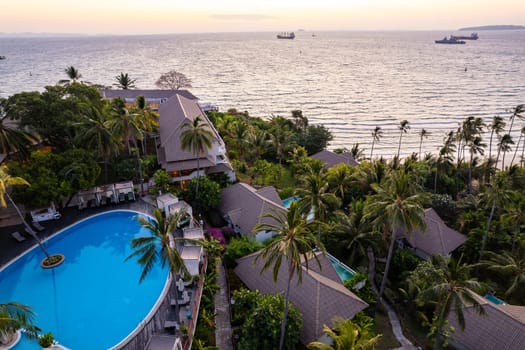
[180,284]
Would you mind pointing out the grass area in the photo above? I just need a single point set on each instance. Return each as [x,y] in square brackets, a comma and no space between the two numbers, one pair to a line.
[382,323]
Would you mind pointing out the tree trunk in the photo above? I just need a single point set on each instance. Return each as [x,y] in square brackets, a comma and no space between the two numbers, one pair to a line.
[485,236]
[516,150]
[388,260]
[399,146]
[198,174]
[372,151]
[283,323]
[28,228]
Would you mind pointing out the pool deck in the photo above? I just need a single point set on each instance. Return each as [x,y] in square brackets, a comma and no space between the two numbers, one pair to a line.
[11,248]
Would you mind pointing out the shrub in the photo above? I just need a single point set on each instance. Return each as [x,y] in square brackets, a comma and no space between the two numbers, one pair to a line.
[46,340]
[238,248]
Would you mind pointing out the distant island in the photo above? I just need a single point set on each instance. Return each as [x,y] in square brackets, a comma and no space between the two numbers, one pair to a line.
[495,27]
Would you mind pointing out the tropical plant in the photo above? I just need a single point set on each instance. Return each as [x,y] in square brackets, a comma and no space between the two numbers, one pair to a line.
[396,206]
[294,240]
[196,137]
[403,129]
[14,316]
[422,134]
[73,74]
[208,197]
[124,81]
[347,335]
[12,139]
[125,125]
[495,127]
[445,157]
[173,80]
[159,245]
[450,288]
[376,137]
[7,180]
[504,145]
[46,340]
[522,132]
[161,182]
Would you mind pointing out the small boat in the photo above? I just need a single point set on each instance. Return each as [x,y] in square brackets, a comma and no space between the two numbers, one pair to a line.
[2,57]
[445,40]
[472,36]
[286,35]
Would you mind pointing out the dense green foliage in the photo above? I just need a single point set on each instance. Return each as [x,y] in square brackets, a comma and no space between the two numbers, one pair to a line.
[208,196]
[239,247]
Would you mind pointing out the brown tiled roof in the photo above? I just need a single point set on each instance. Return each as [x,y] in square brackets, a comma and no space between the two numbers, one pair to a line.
[501,327]
[331,159]
[244,205]
[437,239]
[172,115]
[132,94]
[319,297]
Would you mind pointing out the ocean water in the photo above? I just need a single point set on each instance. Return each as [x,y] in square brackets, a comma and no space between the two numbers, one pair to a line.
[348,81]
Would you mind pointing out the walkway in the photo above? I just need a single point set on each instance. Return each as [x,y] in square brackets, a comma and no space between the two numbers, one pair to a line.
[223,330]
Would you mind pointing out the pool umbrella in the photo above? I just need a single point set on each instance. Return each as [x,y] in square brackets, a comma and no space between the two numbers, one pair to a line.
[180,284]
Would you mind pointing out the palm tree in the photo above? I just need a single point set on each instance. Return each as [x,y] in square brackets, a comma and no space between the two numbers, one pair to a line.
[504,145]
[159,245]
[124,81]
[196,137]
[445,156]
[314,195]
[495,195]
[95,134]
[376,137]
[127,126]
[347,335]
[514,217]
[73,74]
[450,287]
[522,132]
[356,152]
[280,138]
[294,240]
[396,206]
[517,112]
[340,180]
[403,129]
[475,146]
[12,139]
[7,180]
[510,265]
[496,127]
[258,143]
[14,316]
[422,134]
[149,119]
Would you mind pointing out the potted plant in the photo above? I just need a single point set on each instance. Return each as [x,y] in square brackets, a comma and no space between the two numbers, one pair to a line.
[46,340]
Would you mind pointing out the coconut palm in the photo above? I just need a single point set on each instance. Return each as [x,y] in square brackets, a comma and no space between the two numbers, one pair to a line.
[12,139]
[517,112]
[124,81]
[450,289]
[160,245]
[496,195]
[376,137]
[356,152]
[294,240]
[403,129]
[522,132]
[347,335]
[73,74]
[95,134]
[280,138]
[396,206]
[476,146]
[496,127]
[314,195]
[7,180]
[514,217]
[445,156]
[258,143]
[504,145]
[14,316]
[340,180]
[196,137]
[125,125]
[149,119]
[510,265]
[422,134]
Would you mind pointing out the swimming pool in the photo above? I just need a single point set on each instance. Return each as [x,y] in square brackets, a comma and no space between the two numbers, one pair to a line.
[495,300]
[345,273]
[94,299]
[289,200]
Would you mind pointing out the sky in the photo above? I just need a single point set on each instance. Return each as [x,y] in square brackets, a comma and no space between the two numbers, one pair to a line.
[196,16]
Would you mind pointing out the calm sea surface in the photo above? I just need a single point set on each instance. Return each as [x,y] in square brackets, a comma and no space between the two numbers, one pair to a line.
[348,81]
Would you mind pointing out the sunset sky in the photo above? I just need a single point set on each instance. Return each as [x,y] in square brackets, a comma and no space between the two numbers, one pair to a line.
[176,16]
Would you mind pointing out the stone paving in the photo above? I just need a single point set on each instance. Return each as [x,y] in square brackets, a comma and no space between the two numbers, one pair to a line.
[223,330]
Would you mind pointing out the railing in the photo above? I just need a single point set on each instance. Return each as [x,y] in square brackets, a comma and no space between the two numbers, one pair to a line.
[192,322]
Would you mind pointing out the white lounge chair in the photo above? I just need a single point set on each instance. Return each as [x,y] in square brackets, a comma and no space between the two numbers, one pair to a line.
[16,235]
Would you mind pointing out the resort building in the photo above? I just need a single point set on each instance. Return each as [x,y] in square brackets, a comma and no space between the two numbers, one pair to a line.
[501,326]
[243,207]
[319,297]
[153,97]
[331,159]
[437,239]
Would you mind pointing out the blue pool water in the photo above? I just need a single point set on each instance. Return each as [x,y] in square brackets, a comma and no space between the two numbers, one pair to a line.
[289,200]
[494,299]
[94,299]
[344,272]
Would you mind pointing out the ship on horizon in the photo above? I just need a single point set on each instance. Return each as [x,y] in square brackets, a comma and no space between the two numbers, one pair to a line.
[286,35]
[472,36]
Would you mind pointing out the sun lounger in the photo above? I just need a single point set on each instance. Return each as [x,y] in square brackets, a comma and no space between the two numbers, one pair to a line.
[16,235]
[38,226]
[121,197]
[131,196]
[30,231]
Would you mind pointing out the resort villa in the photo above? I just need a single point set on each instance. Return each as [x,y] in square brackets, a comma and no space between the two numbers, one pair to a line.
[176,108]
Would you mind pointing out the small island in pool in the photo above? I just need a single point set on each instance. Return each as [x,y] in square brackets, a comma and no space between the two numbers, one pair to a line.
[495,27]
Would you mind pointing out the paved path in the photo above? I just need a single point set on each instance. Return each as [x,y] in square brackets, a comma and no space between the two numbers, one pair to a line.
[223,330]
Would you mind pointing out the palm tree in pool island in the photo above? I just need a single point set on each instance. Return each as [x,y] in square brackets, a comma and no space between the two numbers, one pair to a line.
[396,206]
[15,316]
[294,241]
[7,180]
[159,245]
[196,137]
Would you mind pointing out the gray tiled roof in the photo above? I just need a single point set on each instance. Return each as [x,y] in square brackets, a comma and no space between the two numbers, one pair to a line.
[331,159]
[150,95]
[319,297]
[437,239]
[501,327]
[245,205]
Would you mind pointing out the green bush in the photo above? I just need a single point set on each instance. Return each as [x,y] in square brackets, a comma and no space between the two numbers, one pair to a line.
[46,340]
[209,195]
[238,248]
